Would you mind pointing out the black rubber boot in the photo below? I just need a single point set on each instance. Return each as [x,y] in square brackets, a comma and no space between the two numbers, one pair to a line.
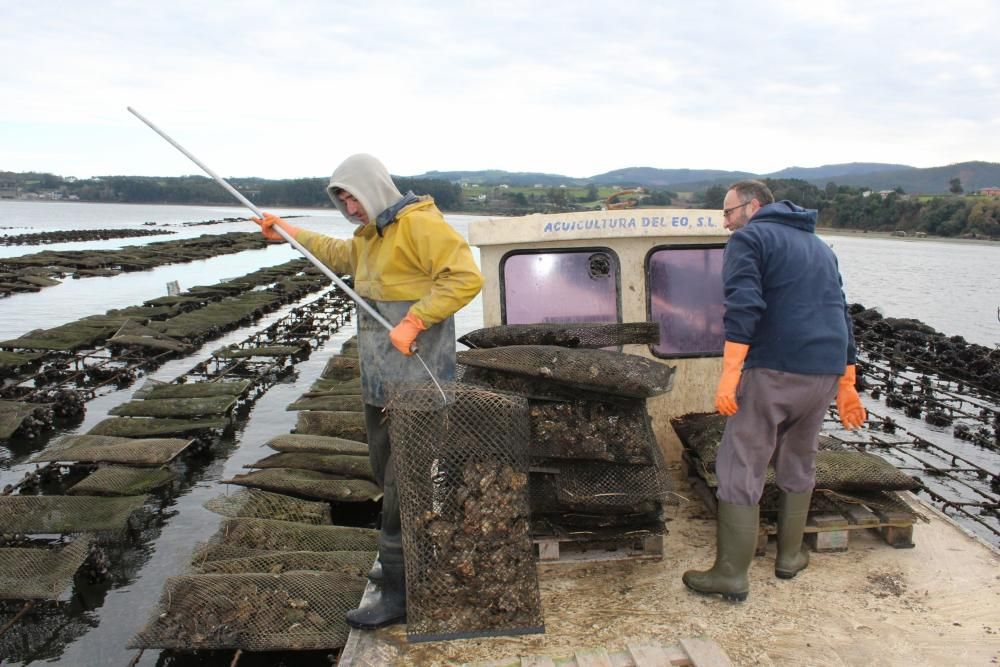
[375,574]
[736,542]
[792,514]
[389,604]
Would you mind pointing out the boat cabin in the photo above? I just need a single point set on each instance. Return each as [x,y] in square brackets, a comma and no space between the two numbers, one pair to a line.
[636,265]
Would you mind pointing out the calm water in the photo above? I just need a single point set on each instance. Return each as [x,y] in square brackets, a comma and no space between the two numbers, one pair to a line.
[953,287]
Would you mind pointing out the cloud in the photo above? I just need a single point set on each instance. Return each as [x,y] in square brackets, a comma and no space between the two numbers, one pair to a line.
[288,89]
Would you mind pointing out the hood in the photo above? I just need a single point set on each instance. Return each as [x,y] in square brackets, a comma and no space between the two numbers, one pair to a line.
[785,212]
[368,181]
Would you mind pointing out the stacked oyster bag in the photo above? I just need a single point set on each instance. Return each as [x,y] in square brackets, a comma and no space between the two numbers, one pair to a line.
[597,475]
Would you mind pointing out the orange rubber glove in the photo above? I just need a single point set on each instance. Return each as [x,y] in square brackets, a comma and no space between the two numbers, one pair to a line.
[269,221]
[405,333]
[852,413]
[733,355]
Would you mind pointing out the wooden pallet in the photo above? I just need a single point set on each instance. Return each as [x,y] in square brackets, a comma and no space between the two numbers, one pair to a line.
[693,652]
[574,549]
[830,531]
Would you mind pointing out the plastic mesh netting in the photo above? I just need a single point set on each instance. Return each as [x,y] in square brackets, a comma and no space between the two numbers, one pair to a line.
[619,432]
[310,484]
[317,444]
[461,467]
[66,514]
[14,413]
[255,612]
[176,407]
[157,391]
[568,334]
[595,370]
[354,563]
[255,504]
[40,574]
[847,470]
[273,535]
[341,465]
[122,481]
[348,425]
[110,449]
[335,403]
[139,427]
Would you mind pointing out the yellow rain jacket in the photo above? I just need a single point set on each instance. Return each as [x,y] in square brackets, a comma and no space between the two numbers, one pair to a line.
[419,257]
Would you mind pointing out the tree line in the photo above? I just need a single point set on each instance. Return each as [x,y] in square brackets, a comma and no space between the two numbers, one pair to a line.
[201,190]
[845,207]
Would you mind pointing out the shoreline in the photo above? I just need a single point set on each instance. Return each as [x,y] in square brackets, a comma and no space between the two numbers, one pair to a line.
[833,231]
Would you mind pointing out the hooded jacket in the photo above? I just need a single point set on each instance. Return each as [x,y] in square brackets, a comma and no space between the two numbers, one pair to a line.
[784,295]
[406,259]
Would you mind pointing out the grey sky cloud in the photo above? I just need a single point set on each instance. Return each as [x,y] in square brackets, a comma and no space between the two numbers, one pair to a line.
[288,89]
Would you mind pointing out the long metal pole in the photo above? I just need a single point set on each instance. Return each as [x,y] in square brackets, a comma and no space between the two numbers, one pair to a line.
[285,235]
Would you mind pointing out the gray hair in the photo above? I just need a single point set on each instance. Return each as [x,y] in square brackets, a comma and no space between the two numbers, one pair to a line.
[751,189]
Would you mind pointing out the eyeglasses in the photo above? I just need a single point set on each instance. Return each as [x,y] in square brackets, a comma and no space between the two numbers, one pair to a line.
[727,211]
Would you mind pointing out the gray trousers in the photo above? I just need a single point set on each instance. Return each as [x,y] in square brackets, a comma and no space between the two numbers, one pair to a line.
[390,537]
[779,417]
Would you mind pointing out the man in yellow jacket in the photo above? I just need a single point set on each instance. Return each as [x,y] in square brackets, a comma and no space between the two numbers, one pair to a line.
[416,271]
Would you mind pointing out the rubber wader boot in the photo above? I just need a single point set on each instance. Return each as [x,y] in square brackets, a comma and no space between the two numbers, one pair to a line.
[388,606]
[793,511]
[736,542]
[375,574]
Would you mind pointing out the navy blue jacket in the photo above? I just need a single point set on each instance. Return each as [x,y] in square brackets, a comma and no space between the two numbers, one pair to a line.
[784,294]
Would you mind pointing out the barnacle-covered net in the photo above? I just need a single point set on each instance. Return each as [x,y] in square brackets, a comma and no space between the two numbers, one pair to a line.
[461,467]
[275,535]
[294,611]
[565,334]
[256,504]
[355,563]
[110,449]
[609,431]
[32,574]
[66,514]
[122,481]
[593,370]
[847,471]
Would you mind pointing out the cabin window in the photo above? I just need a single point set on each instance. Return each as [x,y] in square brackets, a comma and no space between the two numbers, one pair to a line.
[560,286]
[686,298]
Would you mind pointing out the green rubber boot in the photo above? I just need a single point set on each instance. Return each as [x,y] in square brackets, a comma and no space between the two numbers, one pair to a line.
[792,514]
[736,542]
[388,606]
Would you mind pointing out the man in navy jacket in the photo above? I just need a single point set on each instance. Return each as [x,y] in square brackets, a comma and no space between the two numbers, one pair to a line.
[789,351]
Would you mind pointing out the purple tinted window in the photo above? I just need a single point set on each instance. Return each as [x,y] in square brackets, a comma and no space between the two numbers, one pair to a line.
[560,287]
[686,298]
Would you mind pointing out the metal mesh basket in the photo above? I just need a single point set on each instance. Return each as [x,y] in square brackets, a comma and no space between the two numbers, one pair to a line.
[254,612]
[255,504]
[595,370]
[33,574]
[565,334]
[461,467]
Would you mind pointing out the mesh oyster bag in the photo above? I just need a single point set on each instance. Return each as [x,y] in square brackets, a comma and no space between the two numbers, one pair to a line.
[619,432]
[604,371]
[462,470]
[301,610]
[565,334]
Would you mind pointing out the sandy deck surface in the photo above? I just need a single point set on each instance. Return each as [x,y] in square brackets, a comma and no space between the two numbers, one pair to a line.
[936,604]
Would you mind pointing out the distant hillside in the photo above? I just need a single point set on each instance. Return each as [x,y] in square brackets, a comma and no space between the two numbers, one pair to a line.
[932,180]
[836,171]
[497,177]
[652,177]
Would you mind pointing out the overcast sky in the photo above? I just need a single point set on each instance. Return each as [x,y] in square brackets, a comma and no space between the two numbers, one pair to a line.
[288,89]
